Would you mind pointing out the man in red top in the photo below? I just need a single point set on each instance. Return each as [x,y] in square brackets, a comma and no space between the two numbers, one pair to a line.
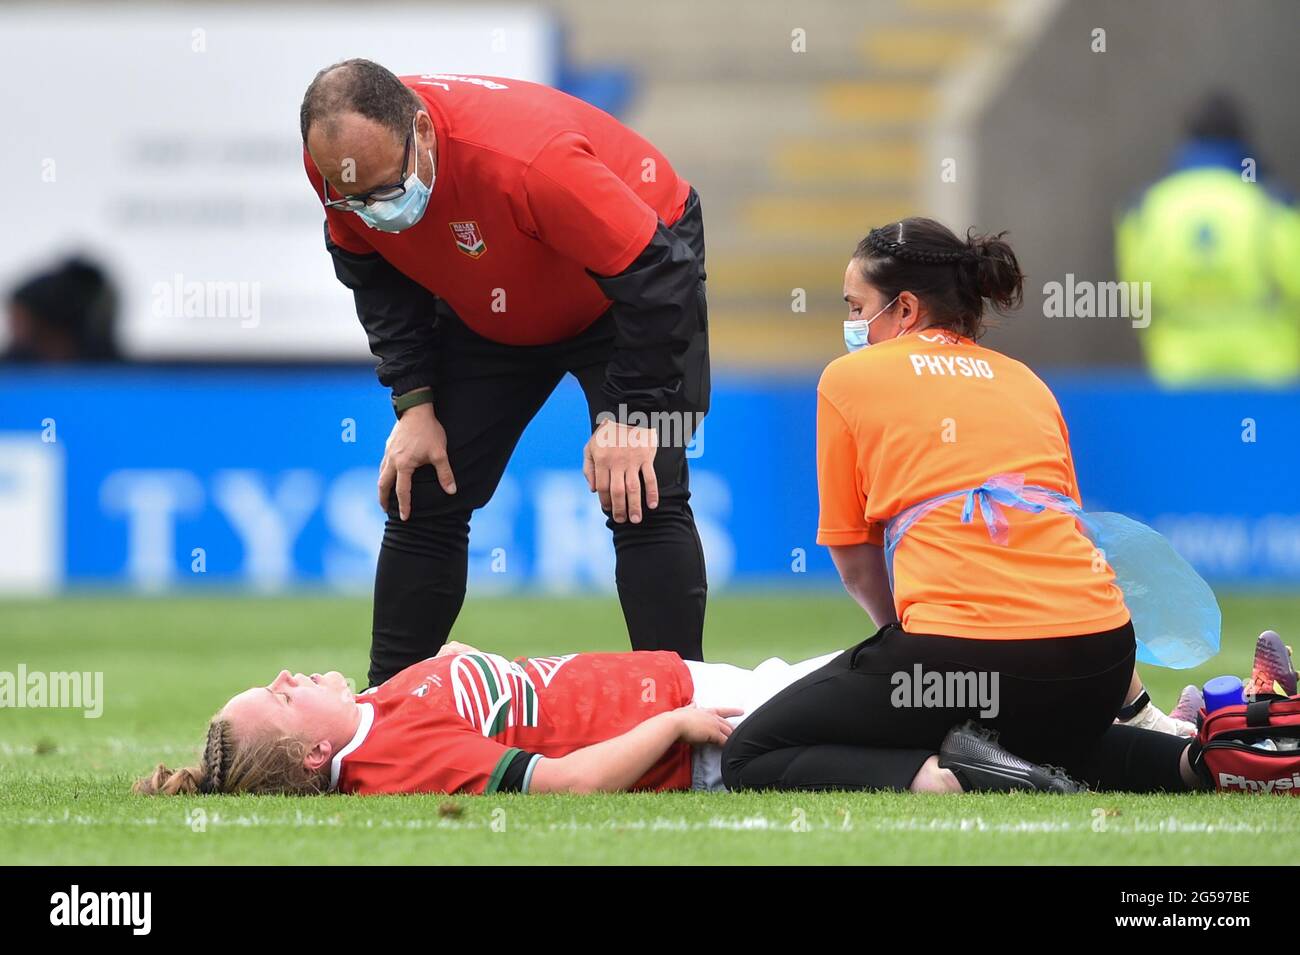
[497,235]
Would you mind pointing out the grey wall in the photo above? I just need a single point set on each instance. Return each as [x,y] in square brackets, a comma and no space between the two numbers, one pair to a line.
[1075,134]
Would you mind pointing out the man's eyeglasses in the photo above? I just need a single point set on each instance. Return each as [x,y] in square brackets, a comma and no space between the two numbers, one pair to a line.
[378,194]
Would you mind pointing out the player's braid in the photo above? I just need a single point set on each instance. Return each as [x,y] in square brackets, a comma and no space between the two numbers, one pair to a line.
[269,762]
[881,243]
[217,755]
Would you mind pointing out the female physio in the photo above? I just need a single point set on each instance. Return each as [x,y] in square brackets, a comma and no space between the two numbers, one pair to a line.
[945,467]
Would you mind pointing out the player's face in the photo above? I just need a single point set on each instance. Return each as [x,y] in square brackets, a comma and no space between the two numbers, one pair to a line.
[294,704]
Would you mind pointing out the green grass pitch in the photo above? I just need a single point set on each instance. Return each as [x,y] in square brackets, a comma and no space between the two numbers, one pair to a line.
[169,663]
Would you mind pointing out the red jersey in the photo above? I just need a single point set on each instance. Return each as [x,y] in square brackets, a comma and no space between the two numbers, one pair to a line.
[453,724]
[531,188]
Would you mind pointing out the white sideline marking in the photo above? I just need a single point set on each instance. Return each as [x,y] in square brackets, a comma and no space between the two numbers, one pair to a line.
[1166,826]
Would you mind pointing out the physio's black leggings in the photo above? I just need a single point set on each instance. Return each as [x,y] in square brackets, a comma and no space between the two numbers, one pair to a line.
[846,726]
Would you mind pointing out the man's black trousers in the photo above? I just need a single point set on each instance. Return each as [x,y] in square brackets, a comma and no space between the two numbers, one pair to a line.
[486,393]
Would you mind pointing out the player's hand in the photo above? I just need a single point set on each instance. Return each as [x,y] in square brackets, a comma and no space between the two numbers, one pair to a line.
[701,726]
[416,440]
[453,647]
[614,463]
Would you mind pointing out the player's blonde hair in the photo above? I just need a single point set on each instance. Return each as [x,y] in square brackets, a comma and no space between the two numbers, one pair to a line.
[265,766]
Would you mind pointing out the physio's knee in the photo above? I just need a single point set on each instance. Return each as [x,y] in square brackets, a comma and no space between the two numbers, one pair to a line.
[734,760]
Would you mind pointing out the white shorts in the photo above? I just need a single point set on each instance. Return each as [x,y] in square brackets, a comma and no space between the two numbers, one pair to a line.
[721,684]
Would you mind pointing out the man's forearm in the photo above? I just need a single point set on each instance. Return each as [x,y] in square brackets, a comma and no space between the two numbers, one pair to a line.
[610,766]
[398,315]
[656,315]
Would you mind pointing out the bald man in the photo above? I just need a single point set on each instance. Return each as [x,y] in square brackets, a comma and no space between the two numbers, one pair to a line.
[498,235]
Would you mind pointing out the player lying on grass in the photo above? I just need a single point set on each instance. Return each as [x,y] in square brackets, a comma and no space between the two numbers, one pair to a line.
[468,721]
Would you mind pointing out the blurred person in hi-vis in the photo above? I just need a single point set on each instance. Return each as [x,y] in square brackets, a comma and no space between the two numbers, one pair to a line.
[1220,245]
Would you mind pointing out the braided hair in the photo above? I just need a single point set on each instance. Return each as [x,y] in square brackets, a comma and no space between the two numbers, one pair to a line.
[216,757]
[953,277]
[267,764]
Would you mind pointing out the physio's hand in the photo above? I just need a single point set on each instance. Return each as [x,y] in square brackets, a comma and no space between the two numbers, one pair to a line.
[614,461]
[701,726]
[416,440]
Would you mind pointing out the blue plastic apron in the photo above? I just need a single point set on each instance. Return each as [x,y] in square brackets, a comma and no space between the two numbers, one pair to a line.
[1175,616]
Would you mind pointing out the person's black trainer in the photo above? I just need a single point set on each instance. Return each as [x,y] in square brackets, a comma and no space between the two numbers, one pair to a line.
[981,765]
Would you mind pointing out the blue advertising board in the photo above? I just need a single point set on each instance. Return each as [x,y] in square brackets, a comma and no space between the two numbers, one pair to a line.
[264,477]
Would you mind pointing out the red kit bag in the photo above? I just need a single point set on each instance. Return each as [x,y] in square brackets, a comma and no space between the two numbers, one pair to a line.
[1233,765]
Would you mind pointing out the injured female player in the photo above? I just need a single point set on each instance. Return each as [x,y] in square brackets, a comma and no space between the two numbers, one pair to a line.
[468,721]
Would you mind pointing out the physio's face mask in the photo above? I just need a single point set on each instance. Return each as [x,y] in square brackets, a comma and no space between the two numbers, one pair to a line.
[857,332]
[401,211]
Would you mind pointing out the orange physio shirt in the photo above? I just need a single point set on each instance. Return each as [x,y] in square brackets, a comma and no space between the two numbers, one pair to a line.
[929,413]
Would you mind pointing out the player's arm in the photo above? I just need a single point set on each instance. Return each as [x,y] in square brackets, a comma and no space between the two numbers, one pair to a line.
[453,647]
[586,212]
[449,755]
[616,764]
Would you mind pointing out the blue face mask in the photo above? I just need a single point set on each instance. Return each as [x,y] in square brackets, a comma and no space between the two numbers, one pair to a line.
[395,215]
[857,332]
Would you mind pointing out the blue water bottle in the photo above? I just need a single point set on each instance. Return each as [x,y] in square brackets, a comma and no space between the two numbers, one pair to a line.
[1223,691]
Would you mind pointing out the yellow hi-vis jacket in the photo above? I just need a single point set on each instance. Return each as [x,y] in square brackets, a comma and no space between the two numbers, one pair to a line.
[1222,255]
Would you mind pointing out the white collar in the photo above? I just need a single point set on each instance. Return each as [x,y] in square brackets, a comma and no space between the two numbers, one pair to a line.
[363,729]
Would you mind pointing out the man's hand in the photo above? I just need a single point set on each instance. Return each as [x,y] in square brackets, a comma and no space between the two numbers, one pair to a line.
[704,726]
[614,461]
[416,440]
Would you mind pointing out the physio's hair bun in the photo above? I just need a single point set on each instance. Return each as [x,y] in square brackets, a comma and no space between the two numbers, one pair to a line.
[952,276]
